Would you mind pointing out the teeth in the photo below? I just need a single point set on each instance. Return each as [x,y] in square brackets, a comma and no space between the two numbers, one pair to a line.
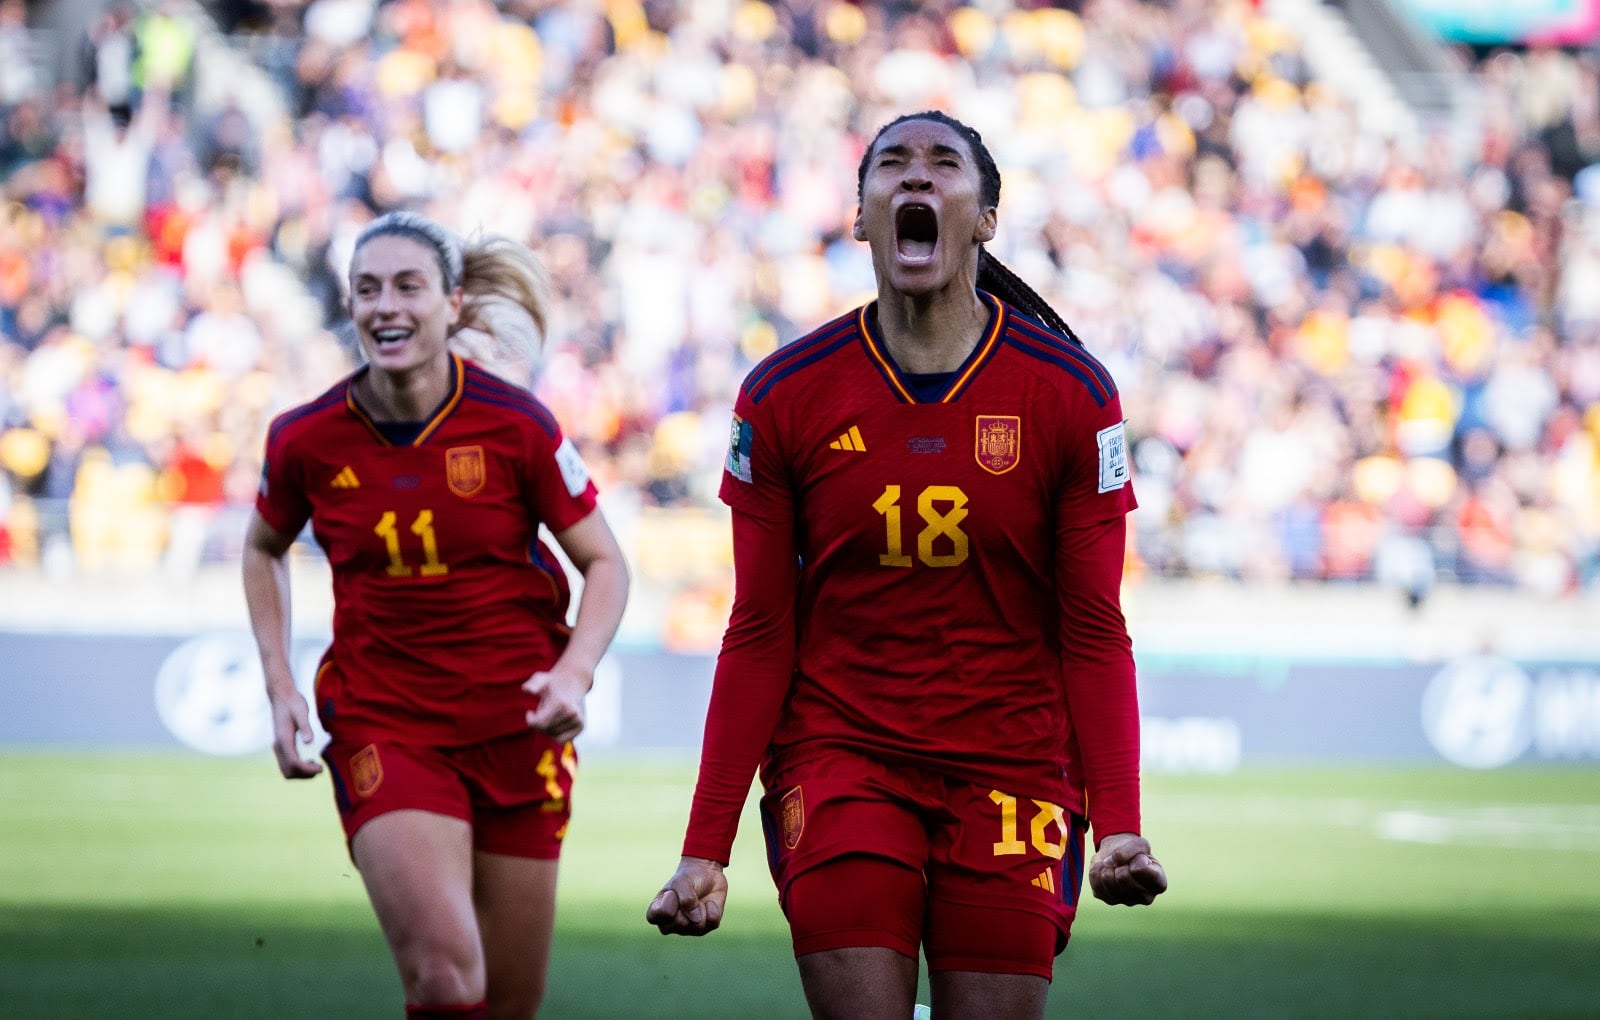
[916,233]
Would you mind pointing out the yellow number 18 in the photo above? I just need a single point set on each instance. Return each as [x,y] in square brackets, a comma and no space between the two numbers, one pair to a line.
[941,522]
[1045,814]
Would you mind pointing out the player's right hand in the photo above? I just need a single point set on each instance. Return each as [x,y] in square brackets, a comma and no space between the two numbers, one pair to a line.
[691,902]
[291,727]
[1124,871]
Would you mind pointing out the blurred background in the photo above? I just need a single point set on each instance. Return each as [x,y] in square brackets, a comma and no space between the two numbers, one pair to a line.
[1342,257]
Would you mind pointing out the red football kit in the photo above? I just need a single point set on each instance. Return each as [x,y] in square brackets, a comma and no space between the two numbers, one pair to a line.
[938,591]
[445,599]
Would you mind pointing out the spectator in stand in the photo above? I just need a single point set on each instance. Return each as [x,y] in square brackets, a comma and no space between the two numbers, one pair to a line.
[1183,188]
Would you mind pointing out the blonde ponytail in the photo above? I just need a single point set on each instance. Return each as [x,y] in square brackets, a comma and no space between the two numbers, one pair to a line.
[504,309]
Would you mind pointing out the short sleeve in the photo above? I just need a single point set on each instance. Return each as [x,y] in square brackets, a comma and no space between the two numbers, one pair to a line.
[558,486]
[281,497]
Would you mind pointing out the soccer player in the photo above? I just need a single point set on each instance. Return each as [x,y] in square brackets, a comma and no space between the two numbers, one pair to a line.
[454,687]
[927,657]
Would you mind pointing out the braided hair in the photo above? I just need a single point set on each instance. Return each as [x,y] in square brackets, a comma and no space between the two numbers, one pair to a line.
[993,275]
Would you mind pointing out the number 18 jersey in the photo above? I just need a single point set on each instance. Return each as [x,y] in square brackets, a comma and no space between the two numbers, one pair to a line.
[929,615]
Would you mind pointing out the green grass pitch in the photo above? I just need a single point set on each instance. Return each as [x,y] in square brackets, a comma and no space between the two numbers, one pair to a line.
[145,885]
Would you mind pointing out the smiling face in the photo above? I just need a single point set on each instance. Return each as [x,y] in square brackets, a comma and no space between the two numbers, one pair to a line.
[922,208]
[398,303]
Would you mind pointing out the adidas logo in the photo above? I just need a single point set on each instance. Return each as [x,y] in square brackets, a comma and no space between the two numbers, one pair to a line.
[851,441]
[346,479]
[1046,880]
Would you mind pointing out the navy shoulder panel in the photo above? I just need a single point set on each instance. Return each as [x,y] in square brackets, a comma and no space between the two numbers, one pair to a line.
[801,354]
[1033,338]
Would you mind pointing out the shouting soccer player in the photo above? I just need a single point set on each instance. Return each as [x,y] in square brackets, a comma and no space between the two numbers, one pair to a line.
[927,657]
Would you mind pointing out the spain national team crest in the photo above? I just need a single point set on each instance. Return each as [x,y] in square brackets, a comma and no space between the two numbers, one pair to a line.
[463,469]
[366,771]
[999,444]
[792,817]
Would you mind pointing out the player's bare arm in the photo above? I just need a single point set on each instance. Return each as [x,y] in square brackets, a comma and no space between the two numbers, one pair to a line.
[266,592]
[692,901]
[1125,872]
[593,550]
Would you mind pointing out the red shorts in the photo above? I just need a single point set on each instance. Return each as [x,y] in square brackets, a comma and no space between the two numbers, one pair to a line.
[515,791]
[991,865]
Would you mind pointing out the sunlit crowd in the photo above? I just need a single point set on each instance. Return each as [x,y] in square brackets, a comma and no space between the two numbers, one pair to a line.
[1344,356]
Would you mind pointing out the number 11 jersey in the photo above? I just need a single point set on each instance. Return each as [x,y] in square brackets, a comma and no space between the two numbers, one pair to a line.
[445,599]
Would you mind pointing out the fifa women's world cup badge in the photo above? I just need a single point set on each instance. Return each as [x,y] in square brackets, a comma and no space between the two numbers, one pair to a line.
[999,444]
[741,440]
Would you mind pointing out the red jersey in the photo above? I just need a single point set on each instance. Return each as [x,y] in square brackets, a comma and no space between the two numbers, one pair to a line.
[445,599]
[938,618]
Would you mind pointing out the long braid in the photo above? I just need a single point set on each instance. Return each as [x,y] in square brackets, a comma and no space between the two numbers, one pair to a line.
[993,275]
[997,278]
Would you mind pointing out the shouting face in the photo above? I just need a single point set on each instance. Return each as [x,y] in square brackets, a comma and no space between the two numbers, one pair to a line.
[922,209]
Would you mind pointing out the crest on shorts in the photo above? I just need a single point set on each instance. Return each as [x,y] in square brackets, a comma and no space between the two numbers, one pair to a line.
[463,469]
[999,442]
[792,818]
[366,771]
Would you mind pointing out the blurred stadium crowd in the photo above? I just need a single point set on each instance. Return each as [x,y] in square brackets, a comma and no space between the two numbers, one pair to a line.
[1344,356]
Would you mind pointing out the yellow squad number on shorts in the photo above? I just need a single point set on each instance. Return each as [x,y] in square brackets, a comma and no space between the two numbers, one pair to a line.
[1045,814]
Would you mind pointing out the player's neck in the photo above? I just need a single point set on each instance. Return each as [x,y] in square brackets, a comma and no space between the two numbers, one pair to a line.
[410,395]
[932,333]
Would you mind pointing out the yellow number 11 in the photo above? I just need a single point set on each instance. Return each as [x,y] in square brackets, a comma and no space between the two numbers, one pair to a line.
[422,527]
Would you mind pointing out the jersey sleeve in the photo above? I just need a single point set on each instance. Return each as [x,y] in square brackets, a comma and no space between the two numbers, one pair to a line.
[281,497]
[557,485]
[754,477]
[753,673]
[1097,664]
[1098,672]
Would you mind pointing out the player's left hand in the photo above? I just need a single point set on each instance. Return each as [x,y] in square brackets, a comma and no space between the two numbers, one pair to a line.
[561,692]
[1124,871]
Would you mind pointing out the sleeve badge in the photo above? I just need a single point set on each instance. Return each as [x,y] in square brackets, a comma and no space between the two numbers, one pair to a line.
[1113,457]
[741,440]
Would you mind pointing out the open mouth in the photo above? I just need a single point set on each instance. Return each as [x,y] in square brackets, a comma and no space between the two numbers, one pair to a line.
[389,338]
[916,233]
